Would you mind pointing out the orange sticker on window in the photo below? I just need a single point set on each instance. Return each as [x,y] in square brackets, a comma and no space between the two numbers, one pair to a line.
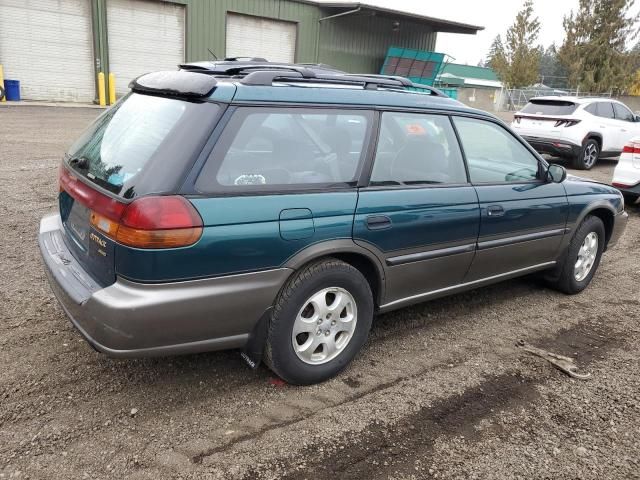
[415,129]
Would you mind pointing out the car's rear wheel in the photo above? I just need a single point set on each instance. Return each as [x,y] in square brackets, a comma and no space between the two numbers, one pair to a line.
[320,321]
[583,257]
[588,156]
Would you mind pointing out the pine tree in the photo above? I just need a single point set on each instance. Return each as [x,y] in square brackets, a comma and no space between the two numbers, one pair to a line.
[594,51]
[552,72]
[516,62]
[497,59]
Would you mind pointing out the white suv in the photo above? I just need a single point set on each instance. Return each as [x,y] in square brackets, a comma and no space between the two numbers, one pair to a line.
[626,176]
[581,129]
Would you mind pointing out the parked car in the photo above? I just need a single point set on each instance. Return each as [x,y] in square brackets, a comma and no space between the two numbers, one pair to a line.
[579,129]
[626,176]
[277,210]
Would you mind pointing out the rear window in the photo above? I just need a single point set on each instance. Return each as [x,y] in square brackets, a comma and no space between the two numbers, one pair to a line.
[549,107]
[113,151]
[287,148]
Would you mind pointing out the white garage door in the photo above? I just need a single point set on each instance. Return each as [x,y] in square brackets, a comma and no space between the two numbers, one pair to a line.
[260,37]
[144,36]
[47,45]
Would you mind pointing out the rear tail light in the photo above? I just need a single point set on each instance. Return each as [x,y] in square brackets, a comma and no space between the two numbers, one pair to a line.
[566,123]
[632,147]
[148,222]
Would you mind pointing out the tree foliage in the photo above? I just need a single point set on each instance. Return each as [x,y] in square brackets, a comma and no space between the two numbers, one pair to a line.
[516,61]
[594,50]
[552,72]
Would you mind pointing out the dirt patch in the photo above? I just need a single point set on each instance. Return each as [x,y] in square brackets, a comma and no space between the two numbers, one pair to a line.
[438,387]
[384,449]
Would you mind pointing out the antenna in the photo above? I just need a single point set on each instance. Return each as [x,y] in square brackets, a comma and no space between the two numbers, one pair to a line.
[212,54]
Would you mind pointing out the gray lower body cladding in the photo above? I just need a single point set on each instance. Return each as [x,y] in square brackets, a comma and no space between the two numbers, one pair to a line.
[556,148]
[128,319]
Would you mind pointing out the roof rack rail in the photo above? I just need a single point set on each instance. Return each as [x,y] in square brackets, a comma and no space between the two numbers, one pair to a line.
[266,77]
[405,82]
[304,71]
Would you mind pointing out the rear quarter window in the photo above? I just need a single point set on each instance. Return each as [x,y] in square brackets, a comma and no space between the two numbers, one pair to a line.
[263,149]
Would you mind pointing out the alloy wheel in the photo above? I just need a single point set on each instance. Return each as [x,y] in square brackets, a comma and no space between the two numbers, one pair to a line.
[324,325]
[590,155]
[586,256]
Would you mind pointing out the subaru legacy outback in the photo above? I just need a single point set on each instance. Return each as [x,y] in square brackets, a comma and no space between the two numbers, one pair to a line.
[277,209]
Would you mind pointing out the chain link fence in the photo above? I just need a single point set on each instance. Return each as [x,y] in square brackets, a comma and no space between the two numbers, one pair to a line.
[514,99]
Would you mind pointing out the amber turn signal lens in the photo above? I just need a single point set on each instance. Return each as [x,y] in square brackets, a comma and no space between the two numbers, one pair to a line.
[102,223]
[177,237]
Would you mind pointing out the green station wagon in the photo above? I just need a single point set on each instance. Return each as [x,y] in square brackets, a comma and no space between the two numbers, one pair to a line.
[277,208]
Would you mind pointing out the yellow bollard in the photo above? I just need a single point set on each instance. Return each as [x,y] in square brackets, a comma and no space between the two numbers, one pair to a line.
[112,89]
[101,89]
[2,82]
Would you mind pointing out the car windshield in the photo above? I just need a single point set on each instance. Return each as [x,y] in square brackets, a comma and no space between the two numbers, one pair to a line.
[116,147]
[549,107]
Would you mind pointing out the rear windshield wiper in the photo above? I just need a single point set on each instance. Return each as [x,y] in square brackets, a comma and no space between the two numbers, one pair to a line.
[81,163]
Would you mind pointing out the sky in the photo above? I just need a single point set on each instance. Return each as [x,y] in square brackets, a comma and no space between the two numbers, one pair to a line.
[495,15]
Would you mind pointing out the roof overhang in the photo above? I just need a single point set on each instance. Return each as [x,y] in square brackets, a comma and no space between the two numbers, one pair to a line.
[437,24]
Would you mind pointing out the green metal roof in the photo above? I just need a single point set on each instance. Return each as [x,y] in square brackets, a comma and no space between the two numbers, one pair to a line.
[469,71]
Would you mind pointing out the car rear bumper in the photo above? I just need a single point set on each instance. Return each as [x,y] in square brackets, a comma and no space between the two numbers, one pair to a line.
[632,189]
[129,319]
[555,147]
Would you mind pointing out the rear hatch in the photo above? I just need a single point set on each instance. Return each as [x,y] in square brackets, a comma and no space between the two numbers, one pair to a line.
[545,118]
[142,145]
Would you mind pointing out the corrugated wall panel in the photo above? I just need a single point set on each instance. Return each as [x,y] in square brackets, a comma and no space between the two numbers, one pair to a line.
[206,24]
[356,43]
[359,42]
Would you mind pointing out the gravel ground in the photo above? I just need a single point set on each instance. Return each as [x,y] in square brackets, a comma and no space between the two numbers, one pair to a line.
[440,390]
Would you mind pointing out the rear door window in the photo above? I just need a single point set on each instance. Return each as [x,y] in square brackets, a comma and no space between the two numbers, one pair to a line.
[263,149]
[605,110]
[549,107]
[417,149]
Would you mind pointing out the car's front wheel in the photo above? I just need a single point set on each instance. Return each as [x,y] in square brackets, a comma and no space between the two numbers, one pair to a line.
[588,156]
[320,321]
[583,257]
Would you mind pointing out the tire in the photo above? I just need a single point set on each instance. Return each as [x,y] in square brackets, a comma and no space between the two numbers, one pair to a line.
[630,198]
[335,283]
[1,92]
[569,281]
[588,156]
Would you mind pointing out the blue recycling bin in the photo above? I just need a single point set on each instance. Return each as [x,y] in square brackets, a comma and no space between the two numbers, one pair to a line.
[12,90]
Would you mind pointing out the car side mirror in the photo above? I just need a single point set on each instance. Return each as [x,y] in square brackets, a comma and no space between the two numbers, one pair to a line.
[556,173]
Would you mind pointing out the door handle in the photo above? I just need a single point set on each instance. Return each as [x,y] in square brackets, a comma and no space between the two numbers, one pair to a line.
[378,222]
[495,211]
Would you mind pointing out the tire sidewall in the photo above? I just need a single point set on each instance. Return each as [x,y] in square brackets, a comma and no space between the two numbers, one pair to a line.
[591,224]
[580,161]
[283,356]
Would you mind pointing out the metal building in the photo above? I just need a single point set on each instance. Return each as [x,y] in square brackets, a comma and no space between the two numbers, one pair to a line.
[56,48]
